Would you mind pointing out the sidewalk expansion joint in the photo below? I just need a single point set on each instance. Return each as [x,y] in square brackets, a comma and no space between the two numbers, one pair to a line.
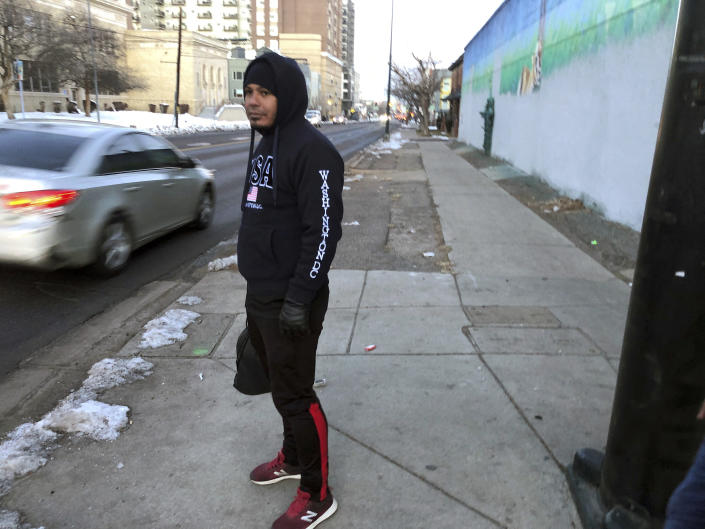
[357,311]
[418,476]
[522,414]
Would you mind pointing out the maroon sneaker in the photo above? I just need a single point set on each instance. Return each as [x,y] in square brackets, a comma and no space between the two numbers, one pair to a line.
[274,471]
[304,513]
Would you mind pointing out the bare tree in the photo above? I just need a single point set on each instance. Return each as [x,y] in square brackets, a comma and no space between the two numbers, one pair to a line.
[416,86]
[23,33]
[76,56]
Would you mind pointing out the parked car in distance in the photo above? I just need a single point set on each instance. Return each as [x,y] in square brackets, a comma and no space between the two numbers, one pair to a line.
[339,119]
[74,193]
[231,113]
[314,117]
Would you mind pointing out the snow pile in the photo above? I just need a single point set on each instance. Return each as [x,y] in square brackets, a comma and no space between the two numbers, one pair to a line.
[98,420]
[167,329]
[149,121]
[386,147]
[11,520]
[189,300]
[27,447]
[221,264]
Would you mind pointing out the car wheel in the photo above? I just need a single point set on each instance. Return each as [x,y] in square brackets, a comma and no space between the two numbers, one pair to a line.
[114,248]
[204,211]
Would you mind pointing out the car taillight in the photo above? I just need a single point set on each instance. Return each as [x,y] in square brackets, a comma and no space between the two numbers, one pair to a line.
[44,199]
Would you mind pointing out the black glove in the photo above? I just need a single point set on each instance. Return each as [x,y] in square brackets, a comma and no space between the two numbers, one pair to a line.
[294,319]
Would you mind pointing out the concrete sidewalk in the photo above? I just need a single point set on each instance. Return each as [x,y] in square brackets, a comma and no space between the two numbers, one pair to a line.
[482,385]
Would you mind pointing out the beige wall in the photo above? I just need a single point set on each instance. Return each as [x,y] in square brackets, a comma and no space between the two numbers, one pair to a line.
[204,70]
[330,69]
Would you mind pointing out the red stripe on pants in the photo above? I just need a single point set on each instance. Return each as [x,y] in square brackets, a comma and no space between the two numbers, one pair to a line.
[322,428]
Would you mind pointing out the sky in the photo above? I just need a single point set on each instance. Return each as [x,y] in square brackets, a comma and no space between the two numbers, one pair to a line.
[442,27]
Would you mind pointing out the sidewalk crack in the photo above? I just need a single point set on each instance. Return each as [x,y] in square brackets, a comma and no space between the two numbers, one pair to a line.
[419,477]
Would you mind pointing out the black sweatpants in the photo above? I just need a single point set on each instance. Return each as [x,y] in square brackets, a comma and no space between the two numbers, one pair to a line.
[291,363]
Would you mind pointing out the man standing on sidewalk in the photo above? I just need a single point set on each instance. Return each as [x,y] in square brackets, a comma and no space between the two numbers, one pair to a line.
[291,222]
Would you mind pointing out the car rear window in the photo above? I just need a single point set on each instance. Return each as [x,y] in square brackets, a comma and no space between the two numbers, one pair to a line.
[37,150]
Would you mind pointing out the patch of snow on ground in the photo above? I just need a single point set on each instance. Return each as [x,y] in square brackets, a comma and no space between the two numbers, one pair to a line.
[153,122]
[223,263]
[27,447]
[11,520]
[95,419]
[189,300]
[386,147]
[167,329]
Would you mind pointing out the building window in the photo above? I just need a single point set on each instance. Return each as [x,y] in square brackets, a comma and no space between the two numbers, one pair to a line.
[39,77]
[238,76]
[260,30]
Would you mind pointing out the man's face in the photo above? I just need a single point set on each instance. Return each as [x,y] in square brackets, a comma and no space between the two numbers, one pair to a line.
[260,105]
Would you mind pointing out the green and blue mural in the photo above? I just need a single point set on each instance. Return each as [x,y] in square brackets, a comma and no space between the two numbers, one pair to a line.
[528,40]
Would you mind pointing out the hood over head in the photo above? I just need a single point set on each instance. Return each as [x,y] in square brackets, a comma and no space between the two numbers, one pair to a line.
[289,85]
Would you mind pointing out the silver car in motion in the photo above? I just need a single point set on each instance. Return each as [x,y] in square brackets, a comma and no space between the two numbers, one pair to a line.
[74,193]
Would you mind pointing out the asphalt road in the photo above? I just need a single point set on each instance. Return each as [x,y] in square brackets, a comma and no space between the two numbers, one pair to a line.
[38,307]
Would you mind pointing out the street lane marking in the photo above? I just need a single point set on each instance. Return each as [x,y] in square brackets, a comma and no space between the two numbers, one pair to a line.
[204,144]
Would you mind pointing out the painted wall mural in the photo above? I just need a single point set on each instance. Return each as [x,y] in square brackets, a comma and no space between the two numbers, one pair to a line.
[527,40]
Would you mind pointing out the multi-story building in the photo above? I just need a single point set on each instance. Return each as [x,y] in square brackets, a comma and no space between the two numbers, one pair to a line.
[237,64]
[319,17]
[226,20]
[265,24]
[203,70]
[41,89]
[312,30]
[348,56]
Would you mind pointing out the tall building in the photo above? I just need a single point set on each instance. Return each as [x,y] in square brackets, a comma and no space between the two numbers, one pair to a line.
[348,56]
[319,17]
[226,20]
[311,30]
[265,24]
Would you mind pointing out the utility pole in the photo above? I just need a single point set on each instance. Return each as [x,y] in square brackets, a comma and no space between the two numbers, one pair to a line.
[95,70]
[654,434]
[389,75]
[178,74]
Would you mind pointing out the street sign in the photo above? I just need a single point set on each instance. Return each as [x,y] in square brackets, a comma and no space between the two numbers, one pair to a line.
[19,71]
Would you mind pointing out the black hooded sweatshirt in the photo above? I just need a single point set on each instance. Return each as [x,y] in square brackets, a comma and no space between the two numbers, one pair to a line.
[292,204]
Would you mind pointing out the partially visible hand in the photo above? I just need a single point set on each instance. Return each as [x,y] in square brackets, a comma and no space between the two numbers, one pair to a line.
[294,319]
[701,413]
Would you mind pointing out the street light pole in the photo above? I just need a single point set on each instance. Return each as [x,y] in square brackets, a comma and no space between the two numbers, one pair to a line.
[178,74]
[389,74]
[95,71]
[653,434]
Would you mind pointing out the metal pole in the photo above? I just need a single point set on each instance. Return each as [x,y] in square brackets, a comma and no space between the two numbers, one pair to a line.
[653,433]
[20,78]
[178,74]
[95,70]
[389,75]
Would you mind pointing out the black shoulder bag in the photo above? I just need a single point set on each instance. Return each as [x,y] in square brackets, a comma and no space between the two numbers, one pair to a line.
[250,377]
